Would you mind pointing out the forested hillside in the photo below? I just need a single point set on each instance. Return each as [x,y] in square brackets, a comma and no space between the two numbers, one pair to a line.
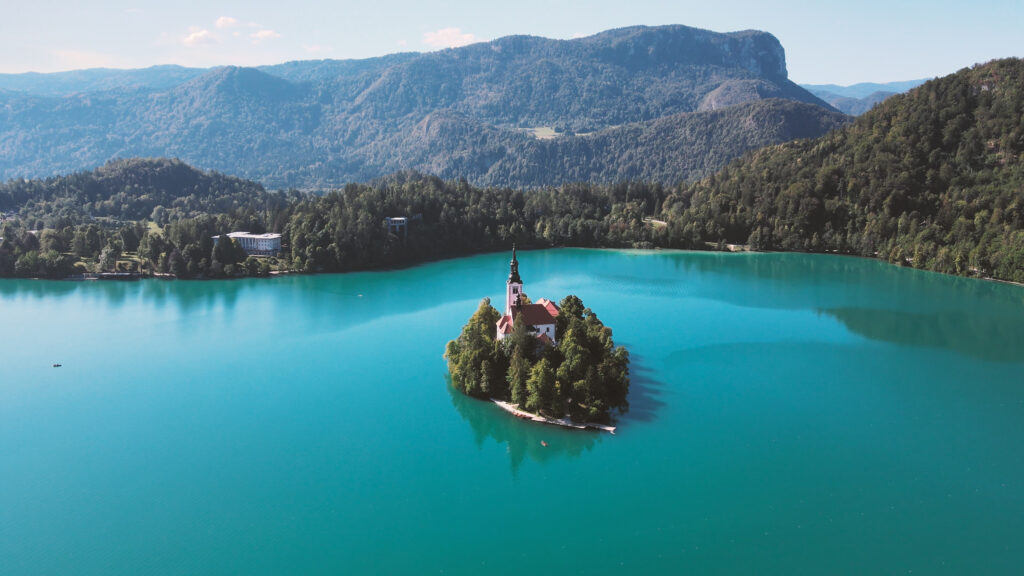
[933,179]
[160,190]
[469,112]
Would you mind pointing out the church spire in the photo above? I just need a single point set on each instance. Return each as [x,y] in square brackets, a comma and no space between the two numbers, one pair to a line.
[513,269]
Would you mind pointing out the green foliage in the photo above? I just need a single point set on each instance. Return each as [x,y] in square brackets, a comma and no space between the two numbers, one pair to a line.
[584,376]
[932,179]
[455,113]
[471,357]
[542,394]
[99,216]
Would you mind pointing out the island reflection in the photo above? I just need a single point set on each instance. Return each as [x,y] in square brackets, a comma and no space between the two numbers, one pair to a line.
[522,439]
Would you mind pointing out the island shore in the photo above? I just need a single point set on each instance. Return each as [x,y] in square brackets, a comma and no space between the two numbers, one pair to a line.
[564,422]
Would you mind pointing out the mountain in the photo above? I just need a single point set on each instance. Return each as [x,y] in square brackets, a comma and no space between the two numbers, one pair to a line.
[864,89]
[472,112]
[932,179]
[130,190]
[97,80]
[854,106]
[168,76]
[859,98]
[668,149]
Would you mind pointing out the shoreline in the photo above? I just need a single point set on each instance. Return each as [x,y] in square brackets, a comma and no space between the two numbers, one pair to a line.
[563,422]
[122,276]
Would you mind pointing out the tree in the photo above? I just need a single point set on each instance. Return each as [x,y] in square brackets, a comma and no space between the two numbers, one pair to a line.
[541,393]
[470,357]
[571,307]
[176,264]
[107,259]
[518,374]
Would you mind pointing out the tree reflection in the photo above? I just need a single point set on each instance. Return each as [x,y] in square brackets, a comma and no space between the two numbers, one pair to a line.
[522,439]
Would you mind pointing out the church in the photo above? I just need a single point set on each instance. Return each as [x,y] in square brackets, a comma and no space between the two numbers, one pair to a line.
[539,317]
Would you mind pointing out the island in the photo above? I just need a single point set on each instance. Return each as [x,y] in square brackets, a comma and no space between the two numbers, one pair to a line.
[540,361]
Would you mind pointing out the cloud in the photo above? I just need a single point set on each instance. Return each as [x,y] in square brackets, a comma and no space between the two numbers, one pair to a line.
[198,37]
[263,35]
[448,38]
[229,22]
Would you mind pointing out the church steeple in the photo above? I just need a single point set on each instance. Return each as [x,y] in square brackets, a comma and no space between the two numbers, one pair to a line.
[514,286]
[513,268]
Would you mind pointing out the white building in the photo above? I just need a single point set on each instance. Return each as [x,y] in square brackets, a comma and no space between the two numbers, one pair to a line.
[255,244]
[539,317]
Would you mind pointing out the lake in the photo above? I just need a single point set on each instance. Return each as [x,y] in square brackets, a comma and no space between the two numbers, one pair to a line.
[789,414]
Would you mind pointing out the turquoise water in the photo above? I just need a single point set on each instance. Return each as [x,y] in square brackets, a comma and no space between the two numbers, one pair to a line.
[790,414]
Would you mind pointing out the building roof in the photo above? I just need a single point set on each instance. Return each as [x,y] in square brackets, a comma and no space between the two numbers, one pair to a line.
[267,236]
[533,314]
[550,306]
[505,325]
[545,339]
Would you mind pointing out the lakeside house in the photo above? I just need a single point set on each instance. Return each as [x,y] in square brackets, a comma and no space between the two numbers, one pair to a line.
[539,317]
[255,244]
[399,226]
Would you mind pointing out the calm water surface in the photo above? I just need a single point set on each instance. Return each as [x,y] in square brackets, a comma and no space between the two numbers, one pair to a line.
[790,414]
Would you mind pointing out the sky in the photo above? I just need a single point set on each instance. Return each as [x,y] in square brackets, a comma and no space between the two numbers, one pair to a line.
[838,43]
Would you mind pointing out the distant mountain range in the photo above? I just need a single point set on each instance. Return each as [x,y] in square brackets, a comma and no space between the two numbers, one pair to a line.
[667,103]
[859,98]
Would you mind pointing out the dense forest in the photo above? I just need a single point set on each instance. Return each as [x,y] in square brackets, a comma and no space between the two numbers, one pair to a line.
[584,376]
[932,179]
[340,231]
[469,112]
[668,150]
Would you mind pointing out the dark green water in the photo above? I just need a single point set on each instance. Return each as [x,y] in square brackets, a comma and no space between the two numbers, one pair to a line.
[790,415]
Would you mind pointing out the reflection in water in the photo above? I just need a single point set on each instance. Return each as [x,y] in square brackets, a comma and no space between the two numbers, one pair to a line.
[521,438]
[38,289]
[185,294]
[796,281]
[644,392]
[989,337]
[872,298]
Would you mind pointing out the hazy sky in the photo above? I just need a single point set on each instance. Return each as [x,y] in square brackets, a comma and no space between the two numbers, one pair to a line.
[865,41]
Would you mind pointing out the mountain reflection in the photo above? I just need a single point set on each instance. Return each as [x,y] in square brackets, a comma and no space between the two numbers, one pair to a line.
[522,439]
[989,337]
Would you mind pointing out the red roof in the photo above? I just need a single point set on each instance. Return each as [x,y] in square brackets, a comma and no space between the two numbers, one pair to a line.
[505,325]
[534,314]
[550,306]
[544,338]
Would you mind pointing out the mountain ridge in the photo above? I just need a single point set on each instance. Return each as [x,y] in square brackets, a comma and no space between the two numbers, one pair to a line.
[339,121]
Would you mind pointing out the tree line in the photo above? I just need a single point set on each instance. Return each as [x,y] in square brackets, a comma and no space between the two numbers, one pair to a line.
[932,179]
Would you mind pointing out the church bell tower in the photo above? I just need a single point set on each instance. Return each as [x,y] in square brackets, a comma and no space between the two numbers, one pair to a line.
[514,286]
